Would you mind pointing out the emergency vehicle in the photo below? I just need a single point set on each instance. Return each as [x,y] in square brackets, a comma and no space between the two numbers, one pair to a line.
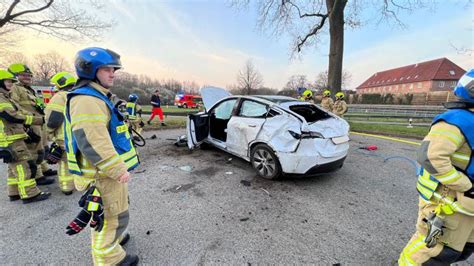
[187,101]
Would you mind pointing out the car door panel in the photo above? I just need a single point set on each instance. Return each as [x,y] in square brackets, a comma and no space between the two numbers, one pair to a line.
[197,129]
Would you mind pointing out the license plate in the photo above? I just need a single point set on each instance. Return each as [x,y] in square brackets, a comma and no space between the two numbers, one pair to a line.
[340,140]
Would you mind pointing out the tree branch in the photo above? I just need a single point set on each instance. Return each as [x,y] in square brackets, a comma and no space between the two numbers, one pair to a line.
[32,10]
[313,32]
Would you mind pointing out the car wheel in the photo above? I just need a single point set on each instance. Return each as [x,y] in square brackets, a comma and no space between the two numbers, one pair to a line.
[265,162]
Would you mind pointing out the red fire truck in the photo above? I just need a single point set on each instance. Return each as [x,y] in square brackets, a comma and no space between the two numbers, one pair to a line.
[187,101]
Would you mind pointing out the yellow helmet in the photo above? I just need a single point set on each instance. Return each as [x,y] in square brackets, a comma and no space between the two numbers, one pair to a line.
[307,93]
[340,95]
[4,75]
[327,93]
[63,79]
[18,68]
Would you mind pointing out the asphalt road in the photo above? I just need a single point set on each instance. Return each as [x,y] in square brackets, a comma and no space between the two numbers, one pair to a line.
[207,207]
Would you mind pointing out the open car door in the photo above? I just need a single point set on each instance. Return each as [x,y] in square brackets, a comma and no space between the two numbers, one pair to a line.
[197,129]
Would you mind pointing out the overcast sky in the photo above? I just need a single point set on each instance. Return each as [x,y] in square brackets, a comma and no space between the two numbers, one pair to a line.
[208,42]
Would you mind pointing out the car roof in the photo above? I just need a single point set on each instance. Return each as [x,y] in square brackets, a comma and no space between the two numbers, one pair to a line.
[276,98]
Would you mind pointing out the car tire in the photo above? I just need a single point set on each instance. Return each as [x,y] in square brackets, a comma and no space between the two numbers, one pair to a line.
[265,162]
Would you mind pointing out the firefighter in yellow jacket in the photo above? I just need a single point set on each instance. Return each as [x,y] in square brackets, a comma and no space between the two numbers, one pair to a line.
[100,152]
[339,107]
[327,102]
[25,96]
[21,167]
[54,116]
[445,224]
[134,111]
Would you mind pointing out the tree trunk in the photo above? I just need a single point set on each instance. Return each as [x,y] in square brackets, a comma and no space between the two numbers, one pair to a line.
[336,39]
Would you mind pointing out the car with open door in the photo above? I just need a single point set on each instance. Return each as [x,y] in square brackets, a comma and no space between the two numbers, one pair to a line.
[278,135]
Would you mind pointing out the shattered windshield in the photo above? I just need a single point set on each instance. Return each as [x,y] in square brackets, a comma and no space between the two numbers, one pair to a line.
[311,113]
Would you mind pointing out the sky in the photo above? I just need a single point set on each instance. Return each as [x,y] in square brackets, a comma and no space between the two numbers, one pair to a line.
[209,41]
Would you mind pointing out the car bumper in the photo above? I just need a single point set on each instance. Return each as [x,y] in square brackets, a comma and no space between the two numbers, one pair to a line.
[326,168]
[313,156]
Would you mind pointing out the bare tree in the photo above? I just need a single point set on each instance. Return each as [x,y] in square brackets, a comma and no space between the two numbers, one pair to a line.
[249,78]
[308,21]
[322,80]
[9,58]
[297,81]
[48,64]
[58,18]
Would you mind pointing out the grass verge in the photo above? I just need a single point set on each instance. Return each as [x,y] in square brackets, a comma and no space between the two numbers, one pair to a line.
[390,130]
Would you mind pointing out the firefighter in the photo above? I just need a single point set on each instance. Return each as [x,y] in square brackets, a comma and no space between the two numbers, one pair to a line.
[21,166]
[102,161]
[445,224]
[25,96]
[327,102]
[134,111]
[339,107]
[63,82]
[307,96]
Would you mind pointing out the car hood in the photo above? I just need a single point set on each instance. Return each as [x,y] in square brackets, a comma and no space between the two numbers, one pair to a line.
[211,95]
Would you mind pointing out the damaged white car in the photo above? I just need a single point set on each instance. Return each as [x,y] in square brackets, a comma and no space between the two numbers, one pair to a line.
[278,135]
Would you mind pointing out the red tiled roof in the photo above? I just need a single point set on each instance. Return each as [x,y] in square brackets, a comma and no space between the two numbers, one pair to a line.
[438,69]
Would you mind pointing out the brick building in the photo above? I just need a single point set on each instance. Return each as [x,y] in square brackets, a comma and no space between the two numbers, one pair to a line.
[435,75]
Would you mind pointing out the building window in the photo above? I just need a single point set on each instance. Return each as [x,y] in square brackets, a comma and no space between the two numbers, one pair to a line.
[441,84]
[452,73]
[408,77]
[454,84]
[390,88]
[411,86]
[419,85]
[403,86]
[416,76]
[401,78]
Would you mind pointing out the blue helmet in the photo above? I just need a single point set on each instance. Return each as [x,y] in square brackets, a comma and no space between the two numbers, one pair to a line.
[89,60]
[133,98]
[465,87]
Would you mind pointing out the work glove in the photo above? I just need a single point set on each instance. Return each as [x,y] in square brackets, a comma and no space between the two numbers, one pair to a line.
[470,193]
[79,223]
[55,154]
[32,136]
[92,211]
[7,155]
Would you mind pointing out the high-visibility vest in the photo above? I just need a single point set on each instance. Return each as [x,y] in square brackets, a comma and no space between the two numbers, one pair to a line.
[131,110]
[118,132]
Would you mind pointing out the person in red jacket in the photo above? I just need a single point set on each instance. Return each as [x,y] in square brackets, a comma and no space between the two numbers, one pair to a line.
[156,110]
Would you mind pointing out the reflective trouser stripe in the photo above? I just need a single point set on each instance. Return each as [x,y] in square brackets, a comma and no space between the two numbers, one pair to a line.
[12,181]
[26,185]
[410,249]
[106,249]
[66,180]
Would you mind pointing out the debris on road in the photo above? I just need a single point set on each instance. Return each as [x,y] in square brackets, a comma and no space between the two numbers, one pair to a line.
[264,190]
[229,173]
[369,148]
[181,141]
[153,136]
[244,219]
[245,183]
[186,168]
[149,232]
[141,171]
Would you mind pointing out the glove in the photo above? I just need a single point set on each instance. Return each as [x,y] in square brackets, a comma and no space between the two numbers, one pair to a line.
[32,136]
[79,223]
[93,203]
[470,193]
[142,124]
[55,154]
[92,211]
[7,155]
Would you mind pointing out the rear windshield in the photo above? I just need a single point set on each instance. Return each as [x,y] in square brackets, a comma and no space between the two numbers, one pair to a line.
[311,113]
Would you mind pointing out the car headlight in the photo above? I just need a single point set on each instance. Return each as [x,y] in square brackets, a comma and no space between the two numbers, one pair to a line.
[311,135]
